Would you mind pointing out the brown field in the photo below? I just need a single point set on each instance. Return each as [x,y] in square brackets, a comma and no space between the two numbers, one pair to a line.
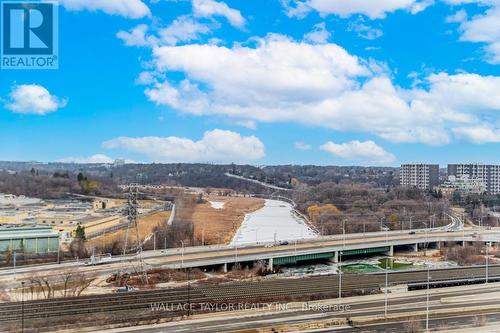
[146,226]
[220,225]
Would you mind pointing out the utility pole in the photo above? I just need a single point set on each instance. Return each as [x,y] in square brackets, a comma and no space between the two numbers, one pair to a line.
[132,206]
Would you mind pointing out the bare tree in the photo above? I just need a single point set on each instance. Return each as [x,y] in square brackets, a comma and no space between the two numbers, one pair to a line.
[413,325]
[67,283]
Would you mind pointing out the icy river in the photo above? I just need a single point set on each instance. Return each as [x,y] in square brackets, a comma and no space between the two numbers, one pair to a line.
[274,222]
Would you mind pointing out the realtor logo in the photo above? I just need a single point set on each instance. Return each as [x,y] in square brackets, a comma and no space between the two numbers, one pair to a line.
[29,35]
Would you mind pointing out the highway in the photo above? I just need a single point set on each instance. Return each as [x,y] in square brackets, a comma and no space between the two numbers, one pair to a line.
[221,254]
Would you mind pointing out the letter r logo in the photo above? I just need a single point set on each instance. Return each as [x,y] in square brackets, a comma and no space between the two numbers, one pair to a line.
[27,28]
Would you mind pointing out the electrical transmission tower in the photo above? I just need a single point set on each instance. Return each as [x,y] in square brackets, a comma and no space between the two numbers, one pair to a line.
[132,205]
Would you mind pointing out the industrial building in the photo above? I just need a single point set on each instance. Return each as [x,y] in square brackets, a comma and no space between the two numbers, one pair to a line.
[421,176]
[486,173]
[29,239]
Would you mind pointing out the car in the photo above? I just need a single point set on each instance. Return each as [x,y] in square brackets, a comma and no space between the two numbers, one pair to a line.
[284,243]
[412,233]
[124,289]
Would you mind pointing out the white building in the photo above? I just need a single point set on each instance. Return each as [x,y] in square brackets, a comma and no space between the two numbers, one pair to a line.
[462,184]
[421,176]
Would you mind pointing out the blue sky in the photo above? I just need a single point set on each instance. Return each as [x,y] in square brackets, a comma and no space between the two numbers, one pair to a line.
[262,82]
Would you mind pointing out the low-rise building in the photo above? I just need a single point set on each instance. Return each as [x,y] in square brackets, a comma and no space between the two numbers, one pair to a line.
[462,184]
[28,239]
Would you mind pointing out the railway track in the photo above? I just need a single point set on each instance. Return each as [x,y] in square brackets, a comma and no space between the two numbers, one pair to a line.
[236,292]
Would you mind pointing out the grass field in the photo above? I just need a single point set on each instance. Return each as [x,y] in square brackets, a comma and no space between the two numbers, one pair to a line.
[146,227]
[220,225]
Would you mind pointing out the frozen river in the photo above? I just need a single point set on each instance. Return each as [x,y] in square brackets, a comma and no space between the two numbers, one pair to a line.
[274,222]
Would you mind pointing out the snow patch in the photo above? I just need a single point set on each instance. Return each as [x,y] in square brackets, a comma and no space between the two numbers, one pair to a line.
[217,204]
[274,222]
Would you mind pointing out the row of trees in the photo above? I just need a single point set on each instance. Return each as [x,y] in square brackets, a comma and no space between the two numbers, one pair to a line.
[360,208]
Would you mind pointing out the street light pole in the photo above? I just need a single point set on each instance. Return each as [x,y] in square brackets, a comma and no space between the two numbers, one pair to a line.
[343,233]
[340,274]
[427,303]
[22,308]
[487,248]
[182,253]
[14,270]
[189,292]
[386,285]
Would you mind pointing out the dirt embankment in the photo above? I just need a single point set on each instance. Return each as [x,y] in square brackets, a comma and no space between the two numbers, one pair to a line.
[221,223]
[146,224]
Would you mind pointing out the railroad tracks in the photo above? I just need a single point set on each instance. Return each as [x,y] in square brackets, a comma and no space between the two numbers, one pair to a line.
[250,292]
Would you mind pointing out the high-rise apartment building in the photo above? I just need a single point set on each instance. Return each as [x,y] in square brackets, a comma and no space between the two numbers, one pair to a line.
[421,176]
[487,173]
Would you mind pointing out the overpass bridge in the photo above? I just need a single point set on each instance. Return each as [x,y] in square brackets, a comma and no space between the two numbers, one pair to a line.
[332,248]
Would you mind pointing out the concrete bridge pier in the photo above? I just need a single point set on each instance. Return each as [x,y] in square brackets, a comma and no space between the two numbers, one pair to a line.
[415,247]
[335,258]
[270,264]
[390,253]
[224,267]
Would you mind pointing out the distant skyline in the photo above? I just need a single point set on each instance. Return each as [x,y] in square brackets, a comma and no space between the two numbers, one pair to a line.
[282,82]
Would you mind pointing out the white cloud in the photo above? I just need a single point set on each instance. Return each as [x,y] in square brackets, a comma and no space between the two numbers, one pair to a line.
[280,80]
[183,29]
[459,17]
[215,146]
[365,152]
[479,134]
[33,99]
[134,9]
[319,34]
[483,28]
[345,8]
[209,8]
[302,146]
[420,6]
[365,31]
[94,159]
[136,37]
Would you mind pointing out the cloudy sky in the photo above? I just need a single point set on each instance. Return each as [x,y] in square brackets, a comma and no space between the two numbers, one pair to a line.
[347,82]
